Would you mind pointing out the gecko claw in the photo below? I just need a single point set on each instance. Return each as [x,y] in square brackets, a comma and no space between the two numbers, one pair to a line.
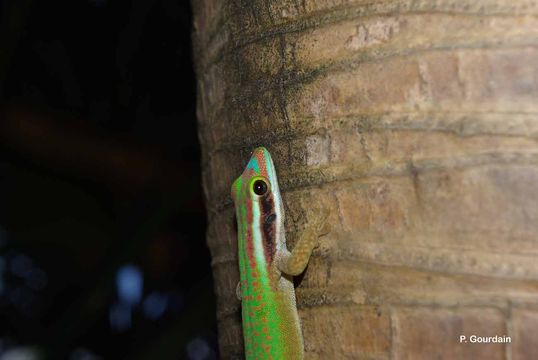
[322,225]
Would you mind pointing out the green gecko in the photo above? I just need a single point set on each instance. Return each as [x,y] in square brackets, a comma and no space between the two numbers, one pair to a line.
[271,326]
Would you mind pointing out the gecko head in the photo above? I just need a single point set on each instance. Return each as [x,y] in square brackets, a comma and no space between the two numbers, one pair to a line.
[258,208]
[258,181]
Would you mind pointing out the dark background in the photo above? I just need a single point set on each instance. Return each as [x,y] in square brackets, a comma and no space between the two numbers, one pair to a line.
[102,221]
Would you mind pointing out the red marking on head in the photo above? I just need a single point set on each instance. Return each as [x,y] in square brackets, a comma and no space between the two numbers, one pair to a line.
[262,165]
[258,297]
[265,329]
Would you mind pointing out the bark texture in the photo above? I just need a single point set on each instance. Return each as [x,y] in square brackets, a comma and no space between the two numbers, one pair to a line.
[416,123]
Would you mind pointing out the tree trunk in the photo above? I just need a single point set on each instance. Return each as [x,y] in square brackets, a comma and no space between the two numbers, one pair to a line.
[416,123]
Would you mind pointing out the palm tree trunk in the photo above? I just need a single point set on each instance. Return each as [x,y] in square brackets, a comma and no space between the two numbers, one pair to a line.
[416,123]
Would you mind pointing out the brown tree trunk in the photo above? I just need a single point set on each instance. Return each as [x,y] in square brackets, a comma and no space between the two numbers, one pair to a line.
[416,123]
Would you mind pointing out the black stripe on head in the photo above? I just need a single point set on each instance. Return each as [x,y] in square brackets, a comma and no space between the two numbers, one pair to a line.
[268,226]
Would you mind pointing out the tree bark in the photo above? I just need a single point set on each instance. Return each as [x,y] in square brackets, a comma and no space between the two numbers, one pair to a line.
[416,123]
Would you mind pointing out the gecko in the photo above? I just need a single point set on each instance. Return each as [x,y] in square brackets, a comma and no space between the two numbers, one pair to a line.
[271,326]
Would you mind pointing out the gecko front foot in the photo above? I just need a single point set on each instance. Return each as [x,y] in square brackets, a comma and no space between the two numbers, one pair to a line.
[322,224]
[318,224]
[295,262]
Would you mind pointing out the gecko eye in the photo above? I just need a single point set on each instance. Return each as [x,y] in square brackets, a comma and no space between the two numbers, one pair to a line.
[259,187]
